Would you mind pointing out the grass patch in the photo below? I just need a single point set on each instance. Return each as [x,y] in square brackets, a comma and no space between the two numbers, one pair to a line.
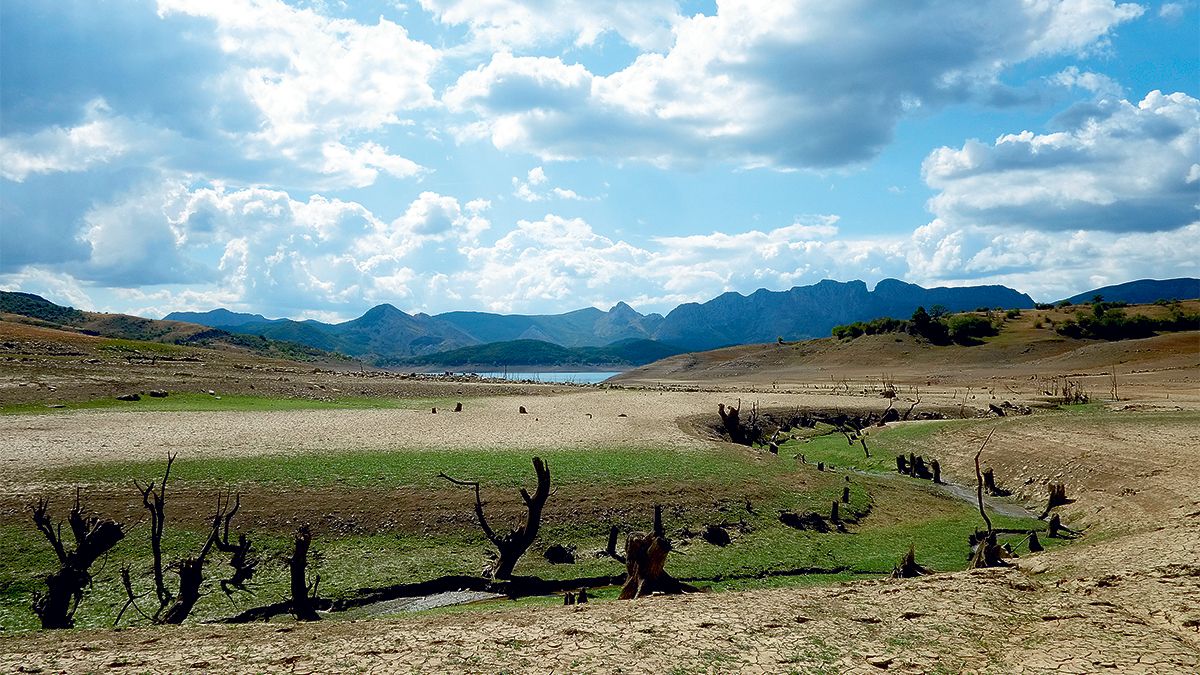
[202,402]
[495,468]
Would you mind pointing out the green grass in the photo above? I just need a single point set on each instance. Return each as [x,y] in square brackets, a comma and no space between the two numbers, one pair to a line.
[495,468]
[896,512]
[202,402]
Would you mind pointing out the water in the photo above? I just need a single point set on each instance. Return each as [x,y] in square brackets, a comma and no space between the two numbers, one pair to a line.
[556,378]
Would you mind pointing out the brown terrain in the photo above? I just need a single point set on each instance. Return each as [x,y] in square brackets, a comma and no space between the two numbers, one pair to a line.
[1124,598]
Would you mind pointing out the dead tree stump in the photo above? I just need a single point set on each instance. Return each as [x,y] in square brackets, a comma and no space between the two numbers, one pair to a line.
[937,470]
[901,464]
[303,593]
[1053,527]
[846,495]
[65,588]
[908,568]
[1035,545]
[458,407]
[834,516]
[1057,497]
[646,560]
[522,410]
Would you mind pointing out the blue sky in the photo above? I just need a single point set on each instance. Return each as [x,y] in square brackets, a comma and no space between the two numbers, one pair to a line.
[313,159]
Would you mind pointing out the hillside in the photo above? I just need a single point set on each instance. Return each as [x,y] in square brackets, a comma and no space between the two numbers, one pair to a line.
[1144,291]
[539,353]
[37,311]
[1028,343]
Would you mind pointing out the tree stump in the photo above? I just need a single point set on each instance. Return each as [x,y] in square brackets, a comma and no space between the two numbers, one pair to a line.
[908,568]
[303,593]
[646,560]
[901,464]
[458,407]
[846,495]
[65,588]
[1034,545]
[937,470]
[522,410]
[986,552]
[1053,526]
[1057,497]
[834,516]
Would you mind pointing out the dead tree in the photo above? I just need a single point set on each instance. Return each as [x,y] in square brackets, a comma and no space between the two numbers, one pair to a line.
[241,555]
[511,546]
[936,468]
[94,538]
[302,604]
[645,564]
[984,552]
[174,608]
[912,407]
[908,567]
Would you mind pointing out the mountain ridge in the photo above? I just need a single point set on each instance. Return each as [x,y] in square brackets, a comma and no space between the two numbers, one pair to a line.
[386,334]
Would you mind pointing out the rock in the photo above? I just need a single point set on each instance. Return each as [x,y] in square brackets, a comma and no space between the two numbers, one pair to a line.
[129,397]
[157,393]
[211,392]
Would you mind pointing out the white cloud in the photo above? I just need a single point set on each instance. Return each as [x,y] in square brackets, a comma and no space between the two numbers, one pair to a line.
[99,138]
[1101,85]
[1172,11]
[528,190]
[316,81]
[504,24]
[800,84]
[1121,167]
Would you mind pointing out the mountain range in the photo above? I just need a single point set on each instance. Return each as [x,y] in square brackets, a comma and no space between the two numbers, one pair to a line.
[387,335]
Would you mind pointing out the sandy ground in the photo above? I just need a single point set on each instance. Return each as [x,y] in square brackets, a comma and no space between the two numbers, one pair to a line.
[1125,599]
[586,418]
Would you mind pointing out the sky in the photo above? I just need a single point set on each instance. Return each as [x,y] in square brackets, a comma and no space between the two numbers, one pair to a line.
[312,159]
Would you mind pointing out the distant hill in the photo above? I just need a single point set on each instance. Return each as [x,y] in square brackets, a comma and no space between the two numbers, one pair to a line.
[219,317]
[1144,291]
[539,353]
[812,311]
[38,311]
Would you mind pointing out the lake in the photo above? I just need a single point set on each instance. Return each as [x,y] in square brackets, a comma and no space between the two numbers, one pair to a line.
[567,378]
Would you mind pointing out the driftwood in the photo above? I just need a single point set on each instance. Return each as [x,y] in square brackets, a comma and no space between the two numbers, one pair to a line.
[65,588]
[512,545]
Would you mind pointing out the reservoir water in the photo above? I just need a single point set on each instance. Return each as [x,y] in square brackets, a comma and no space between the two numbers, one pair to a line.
[566,378]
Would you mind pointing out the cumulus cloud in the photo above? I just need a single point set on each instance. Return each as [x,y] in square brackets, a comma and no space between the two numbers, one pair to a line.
[1121,167]
[800,84]
[97,139]
[1101,85]
[505,24]
[316,81]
